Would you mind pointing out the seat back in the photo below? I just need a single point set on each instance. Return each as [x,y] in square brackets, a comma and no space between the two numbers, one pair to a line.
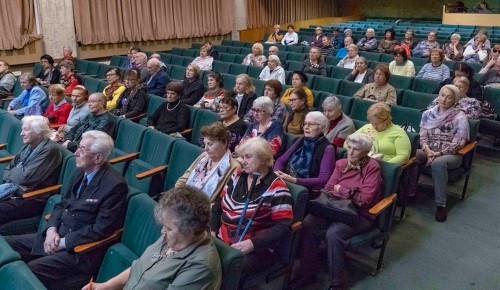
[390,180]
[359,109]
[326,84]
[403,115]
[221,67]
[91,84]
[348,88]
[183,154]
[232,262]
[290,139]
[154,102]
[425,85]
[129,136]
[417,100]
[237,69]
[340,72]
[156,147]
[203,118]
[401,82]
[178,72]
[17,275]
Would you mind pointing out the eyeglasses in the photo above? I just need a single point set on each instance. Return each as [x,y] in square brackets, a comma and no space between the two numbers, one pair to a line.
[110,75]
[293,99]
[310,124]
[496,50]
[224,108]
[257,110]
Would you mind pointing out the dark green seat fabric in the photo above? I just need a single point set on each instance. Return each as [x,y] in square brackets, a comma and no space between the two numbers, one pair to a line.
[294,65]
[326,84]
[183,154]
[226,57]
[17,275]
[91,84]
[154,102]
[117,60]
[203,118]
[425,85]
[178,72]
[340,72]
[359,109]
[176,51]
[417,100]
[229,82]
[221,67]
[290,139]
[14,141]
[176,60]
[125,143]
[254,71]
[81,66]
[403,115]
[348,88]
[49,207]
[7,254]
[259,87]
[296,56]
[232,262]
[370,56]
[37,68]
[233,50]
[310,80]
[401,82]
[237,69]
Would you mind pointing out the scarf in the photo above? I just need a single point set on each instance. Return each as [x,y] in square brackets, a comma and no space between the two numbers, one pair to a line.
[26,99]
[361,164]
[300,162]
[207,180]
[433,119]
[109,90]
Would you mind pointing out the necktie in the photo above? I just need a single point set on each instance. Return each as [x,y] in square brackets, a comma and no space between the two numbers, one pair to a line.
[83,186]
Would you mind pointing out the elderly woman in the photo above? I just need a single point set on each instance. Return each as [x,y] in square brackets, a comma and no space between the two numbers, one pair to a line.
[476,52]
[58,111]
[273,70]
[294,120]
[390,142]
[341,53]
[264,126]
[315,64]
[369,42]
[193,85]
[276,36]
[494,54]
[272,89]
[317,39]
[409,41]
[443,131]
[244,93]
[31,99]
[68,77]
[257,57]
[291,37]
[361,73]
[228,111]
[49,75]
[387,44]
[357,178]
[462,69]
[327,49]
[214,94]
[340,125]
[68,54]
[7,79]
[114,89]
[133,101]
[453,50]
[204,61]
[423,48]
[299,80]
[401,65]
[269,201]
[173,115]
[183,257]
[380,90]
[349,60]
[310,160]
[436,69]
[470,106]
[213,168]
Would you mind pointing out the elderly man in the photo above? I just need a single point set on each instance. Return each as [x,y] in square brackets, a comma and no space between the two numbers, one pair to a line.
[30,101]
[273,70]
[91,209]
[368,43]
[361,73]
[158,80]
[158,57]
[68,54]
[36,166]
[98,119]
[274,50]
[7,79]
[140,61]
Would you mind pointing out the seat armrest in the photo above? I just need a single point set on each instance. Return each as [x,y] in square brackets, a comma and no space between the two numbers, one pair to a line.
[43,191]
[47,217]
[7,159]
[7,99]
[408,163]
[89,246]
[138,117]
[124,158]
[186,132]
[467,148]
[296,226]
[383,204]
[3,146]
[151,172]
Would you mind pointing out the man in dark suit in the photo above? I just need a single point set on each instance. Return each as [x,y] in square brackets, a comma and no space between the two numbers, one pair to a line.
[158,80]
[92,209]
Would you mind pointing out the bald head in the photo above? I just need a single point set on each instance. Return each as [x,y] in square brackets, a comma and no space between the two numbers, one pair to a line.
[153,65]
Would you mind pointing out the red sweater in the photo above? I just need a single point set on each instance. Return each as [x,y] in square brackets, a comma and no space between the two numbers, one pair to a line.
[59,116]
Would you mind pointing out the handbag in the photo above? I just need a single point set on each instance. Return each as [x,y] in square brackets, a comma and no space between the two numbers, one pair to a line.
[334,208]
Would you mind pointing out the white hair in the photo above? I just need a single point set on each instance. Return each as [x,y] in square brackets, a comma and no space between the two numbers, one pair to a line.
[264,103]
[331,102]
[364,141]
[102,142]
[39,124]
[320,119]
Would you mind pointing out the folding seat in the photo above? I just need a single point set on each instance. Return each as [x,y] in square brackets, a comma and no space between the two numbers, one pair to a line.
[190,52]
[359,109]
[17,275]
[294,65]
[91,84]
[227,42]
[403,115]
[196,45]
[128,140]
[37,68]
[176,60]
[417,61]
[375,56]
[254,71]
[187,60]
[221,67]
[332,60]
[237,69]
[203,118]
[154,102]
[92,69]
[178,72]
[425,85]
[102,85]
[310,80]
[229,82]
[296,56]
[220,48]
[259,87]
[176,51]
[165,57]
[417,100]
[237,43]
[245,51]
[239,58]
[401,82]
[101,73]
[233,50]
[81,66]
[340,72]
[225,57]
[317,96]
[295,49]
[348,88]
[326,84]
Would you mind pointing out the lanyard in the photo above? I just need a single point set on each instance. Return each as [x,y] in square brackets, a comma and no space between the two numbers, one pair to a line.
[247,201]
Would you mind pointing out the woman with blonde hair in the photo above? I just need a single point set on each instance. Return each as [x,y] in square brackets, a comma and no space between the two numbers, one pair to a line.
[257,57]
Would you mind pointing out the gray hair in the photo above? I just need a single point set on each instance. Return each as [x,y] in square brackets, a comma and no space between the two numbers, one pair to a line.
[455,35]
[364,141]
[102,142]
[454,90]
[102,98]
[321,119]
[39,124]
[264,103]
[353,46]
[68,48]
[30,78]
[274,46]
[363,59]
[260,147]
[331,102]
[370,30]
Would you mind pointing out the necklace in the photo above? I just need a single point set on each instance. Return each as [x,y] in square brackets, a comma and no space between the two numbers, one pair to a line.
[168,252]
[168,104]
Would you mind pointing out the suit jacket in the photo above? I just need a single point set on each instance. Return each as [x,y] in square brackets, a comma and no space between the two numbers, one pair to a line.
[158,83]
[98,212]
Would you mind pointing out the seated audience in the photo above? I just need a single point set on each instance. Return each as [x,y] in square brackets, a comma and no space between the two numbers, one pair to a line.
[156,55]
[274,50]
[380,90]
[349,60]
[327,49]
[476,52]
[134,100]
[7,80]
[482,7]
[98,119]
[68,55]
[492,77]
[212,169]
[244,93]
[309,161]
[317,39]
[211,50]
[390,142]
[114,89]
[30,101]
[36,166]
[348,33]
[401,65]
[387,44]
[337,39]
[141,63]
[294,120]
[342,52]
[435,69]
[361,73]
[228,111]
[257,57]
[273,70]
[408,42]
[462,69]
[215,92]
[68,77]
[58,111]
[453,50]
[130,62]
[299,80]
[158,80]
[272,89]
[193,85]
[359,179]
[204,61]
[291,37]
[173,115]
[470,106]
[264,126]
[276,36]
[369,42]
[315,63]
[443,131]
[92,208]
[50,74]
[339,124]
[423,48]
[80,110]
[273,217]
[494,54]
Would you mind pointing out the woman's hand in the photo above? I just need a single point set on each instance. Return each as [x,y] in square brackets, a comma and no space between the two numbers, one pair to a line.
[245,246]
[286,177]
[431,155]
[96,286]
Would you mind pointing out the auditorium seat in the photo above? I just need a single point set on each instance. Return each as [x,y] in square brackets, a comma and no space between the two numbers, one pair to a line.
[417,100]
[17,275]
[348,88]
[326,84]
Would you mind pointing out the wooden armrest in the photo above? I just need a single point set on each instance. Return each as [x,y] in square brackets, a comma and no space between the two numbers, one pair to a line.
[7,99]
[56,126]
[6,159]
[138,117]
[47,217]
[123,158]
[186,132]
[467,148]
[296,226]
[43,191]
[408,163]
[85,247]
[151,172]
[3,146]
[381,205]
